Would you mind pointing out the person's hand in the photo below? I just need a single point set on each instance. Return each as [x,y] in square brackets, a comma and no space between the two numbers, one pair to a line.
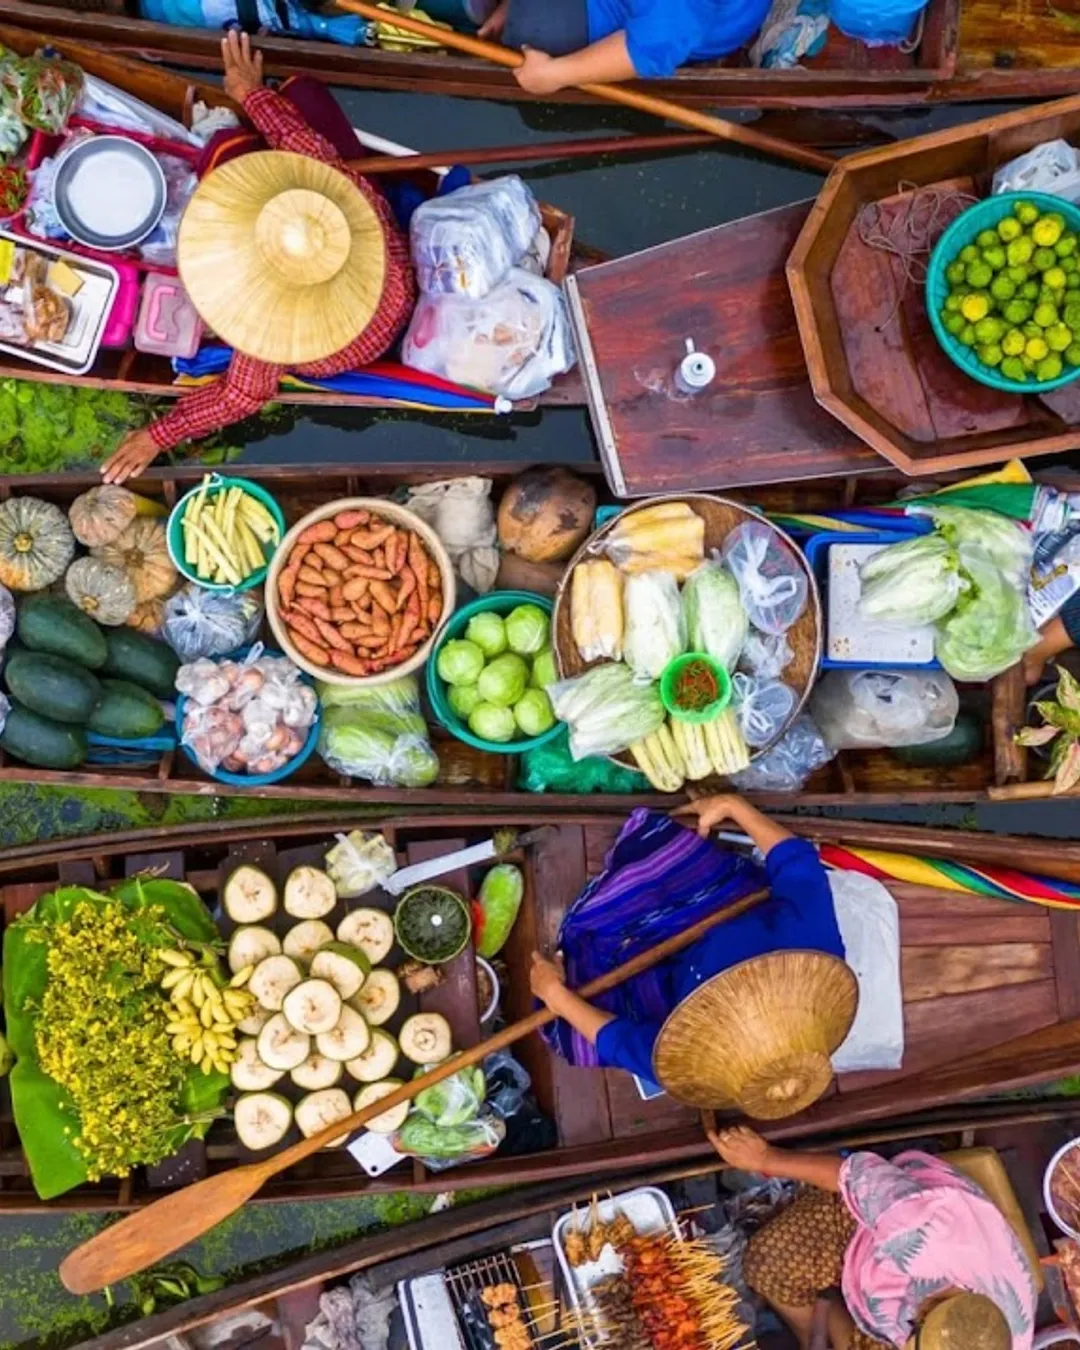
[742,1147]
[711,812]
[493,25]
[243,67]
[135,452]
[546,978]
[540,73]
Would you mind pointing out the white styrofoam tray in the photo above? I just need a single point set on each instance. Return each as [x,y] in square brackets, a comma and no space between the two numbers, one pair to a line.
[849,637]
[650,1211]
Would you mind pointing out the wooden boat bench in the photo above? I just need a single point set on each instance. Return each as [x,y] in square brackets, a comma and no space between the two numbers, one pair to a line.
[985,1168]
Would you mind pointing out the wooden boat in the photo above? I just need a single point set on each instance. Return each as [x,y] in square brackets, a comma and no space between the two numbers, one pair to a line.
[472,779]
[481,1238]
[992,997]
[134,372]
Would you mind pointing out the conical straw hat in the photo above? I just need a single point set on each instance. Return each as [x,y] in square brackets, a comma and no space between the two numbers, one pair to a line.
[964,1322]
[759,1036]
[282,256]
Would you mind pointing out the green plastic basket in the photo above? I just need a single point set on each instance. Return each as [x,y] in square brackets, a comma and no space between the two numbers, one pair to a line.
[671,673]
[174,534]
[499,602]
[963,231]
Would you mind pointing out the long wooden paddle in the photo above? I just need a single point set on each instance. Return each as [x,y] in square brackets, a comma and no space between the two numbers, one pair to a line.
[670,111]
[148,1236]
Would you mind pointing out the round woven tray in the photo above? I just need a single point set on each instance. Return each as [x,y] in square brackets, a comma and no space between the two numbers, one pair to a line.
[721,516]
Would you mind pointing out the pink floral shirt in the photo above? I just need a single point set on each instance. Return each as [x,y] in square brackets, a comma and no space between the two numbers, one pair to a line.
[923,1228]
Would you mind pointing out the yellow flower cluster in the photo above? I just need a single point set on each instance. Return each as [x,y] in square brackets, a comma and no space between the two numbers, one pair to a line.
[101,1034]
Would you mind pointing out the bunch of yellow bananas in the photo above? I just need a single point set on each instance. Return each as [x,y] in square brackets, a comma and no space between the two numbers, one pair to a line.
[205,1010]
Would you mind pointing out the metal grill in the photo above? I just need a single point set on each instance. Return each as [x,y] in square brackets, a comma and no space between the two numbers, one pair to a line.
[466,1284]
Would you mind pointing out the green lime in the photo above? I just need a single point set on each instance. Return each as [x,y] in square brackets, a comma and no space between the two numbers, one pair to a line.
[1012,344]
[1055,278]
[1049,368]
[1019,251]
[1027,213]
[1072,354]
[1036,348]
[975,307]
[1030,290]
[1032,329]
[967,335]
[1044,258]
[989,329]
[1028,363]
[1013,369]
[1066,245]
[1072,316]
[1047,231]
[1014,311]
[952,303]
[1001,288]
[1045,315]
[990,354]
[1019,273]
[1058,337]
[979,274]
[994,256]
[954,323]
[1008,227]
[955,272]
[987,238]
[969,253]
[1070,266]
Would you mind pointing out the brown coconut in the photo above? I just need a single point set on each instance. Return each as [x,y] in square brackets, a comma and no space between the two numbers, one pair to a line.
[546,514]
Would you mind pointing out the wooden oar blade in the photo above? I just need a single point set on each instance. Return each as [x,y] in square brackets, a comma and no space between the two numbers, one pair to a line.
[145,1238]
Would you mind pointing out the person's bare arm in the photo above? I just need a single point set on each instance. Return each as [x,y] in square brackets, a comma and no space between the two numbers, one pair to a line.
[547,983]
[604,62]
[1053,640]
[745,1149]
[712,812]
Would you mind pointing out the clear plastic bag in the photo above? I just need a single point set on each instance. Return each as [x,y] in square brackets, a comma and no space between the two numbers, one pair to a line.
[508,1084]
[715,619]
[7,617]
[48,89]
[455,1100]
[512,343]
[762,707]
[655,631]
[990,629]
[471,1142]
[766,655]
[358,862]
[872,709]
[606,710]
[12,130]
[377,733]
[466,242]
[786,767]
[1052,167]
[772,581]
[199,622]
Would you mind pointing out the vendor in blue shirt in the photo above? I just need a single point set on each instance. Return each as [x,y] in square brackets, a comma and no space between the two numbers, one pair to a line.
[799,915]
[571,42]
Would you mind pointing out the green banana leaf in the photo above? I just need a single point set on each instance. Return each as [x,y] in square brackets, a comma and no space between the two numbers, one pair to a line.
[44,1117]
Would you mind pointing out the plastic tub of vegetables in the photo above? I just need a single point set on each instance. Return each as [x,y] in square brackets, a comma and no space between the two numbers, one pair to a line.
[488,673]
[222,534]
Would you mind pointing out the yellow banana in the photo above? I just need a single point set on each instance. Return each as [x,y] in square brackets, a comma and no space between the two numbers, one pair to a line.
[181,1043]
[198,993]
[221,1014]
[241,977]
[174,977]
[175,958]
[206,1015]
[197,1052]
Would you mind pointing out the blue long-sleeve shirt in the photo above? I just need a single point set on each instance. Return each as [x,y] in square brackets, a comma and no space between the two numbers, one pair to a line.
[662,35]
[799,915]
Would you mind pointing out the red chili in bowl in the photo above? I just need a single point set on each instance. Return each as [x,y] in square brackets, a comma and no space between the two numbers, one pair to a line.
[696,687]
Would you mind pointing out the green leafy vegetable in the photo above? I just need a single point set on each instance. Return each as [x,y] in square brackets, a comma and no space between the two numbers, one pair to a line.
[492,723]
[1007,544]
[504,680]
[528,630]
[990,628]
[605,710]
[544,671]
[716,621]
[460,662]
[532,713]
[910,584]
[423,1139]
[488,631]
[463,699]
[453,1101]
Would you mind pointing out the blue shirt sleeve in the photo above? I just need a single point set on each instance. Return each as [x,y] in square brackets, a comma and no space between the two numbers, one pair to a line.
[623,1044]
[797,875]
[661,36]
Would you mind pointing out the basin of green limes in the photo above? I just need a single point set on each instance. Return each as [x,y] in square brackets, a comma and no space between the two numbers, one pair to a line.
[1011,295]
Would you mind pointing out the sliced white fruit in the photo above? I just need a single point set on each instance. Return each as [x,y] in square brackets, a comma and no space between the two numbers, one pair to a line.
[272,979]
[347,1040]
[304,939]
[309,893]
[378,1059]
[313,1007]
[251,944]
[281,1046]
[425,1038]
[345,967]
[317,1072]
[390,1120]
[369,929]
[249,895]
[378,997]
[319,1109]
[248,1072]
[254,1022]
[262,1119]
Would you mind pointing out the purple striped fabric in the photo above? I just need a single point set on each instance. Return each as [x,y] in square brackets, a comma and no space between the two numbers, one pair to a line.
[658,879]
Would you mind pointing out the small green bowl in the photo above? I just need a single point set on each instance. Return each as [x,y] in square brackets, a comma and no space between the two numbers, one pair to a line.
[174,534]
[965,228]
[668,679]
[498,602]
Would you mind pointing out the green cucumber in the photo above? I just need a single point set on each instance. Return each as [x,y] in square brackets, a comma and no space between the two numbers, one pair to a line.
[963,745]
[51,623]
[126,711]
[40,741]
[52,686]
[143,660]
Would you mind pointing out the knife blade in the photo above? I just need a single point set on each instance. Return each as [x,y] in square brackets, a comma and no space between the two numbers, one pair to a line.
[417,873]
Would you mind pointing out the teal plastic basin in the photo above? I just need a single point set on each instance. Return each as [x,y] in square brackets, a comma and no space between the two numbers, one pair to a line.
[174,534]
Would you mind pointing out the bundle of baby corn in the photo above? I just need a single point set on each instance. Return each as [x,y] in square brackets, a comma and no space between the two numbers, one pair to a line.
[667,537]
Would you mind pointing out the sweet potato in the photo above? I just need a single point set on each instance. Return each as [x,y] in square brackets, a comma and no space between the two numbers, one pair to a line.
[332,578]
[333,556]
[408,586]
[349,520]
[311,576]
[342,537]
[363,570]
[331,637]
[337,596]
[380,560]
[316,592]
[320,533]
[409,620]
[372,538]
[318,609]
[380,621]
[384,596]
[286,586]
[318,656]
[358,555]
[349,664]
[434,576]
[356,588]
[354,630]
[299,622]
[418,561]
[435,610]
[342,614]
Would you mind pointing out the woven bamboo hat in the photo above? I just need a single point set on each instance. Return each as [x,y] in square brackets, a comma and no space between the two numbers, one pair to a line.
[283,257]
[759,1036]
[963,1322]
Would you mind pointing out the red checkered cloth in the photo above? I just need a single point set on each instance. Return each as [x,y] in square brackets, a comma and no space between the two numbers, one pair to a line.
[249,384]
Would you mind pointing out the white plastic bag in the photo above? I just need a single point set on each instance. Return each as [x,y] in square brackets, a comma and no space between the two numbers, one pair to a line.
[7,617]
[870,709]
[466,242]
[766,655]
[459,510]
[514,342]
[655,631]
[1052,167]
[789,763]
[869,924]
[762,707]
[772,582]
[199,622]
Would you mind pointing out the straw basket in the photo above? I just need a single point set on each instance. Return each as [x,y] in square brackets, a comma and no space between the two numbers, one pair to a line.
[759,1037]
[721,516]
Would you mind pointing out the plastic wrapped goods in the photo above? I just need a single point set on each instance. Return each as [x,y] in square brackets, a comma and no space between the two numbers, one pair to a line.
[48,88]
[762,707]
[12,128]
[871,709]
[1007,543]
[715,618]
[1052,167]
[655,631]
[377,733]
[466,242]
[513,342]
[789,763]
[990,628]
[358,862]
[772,581]
[766,655]
[199,622]
[606,710]
[910,584]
